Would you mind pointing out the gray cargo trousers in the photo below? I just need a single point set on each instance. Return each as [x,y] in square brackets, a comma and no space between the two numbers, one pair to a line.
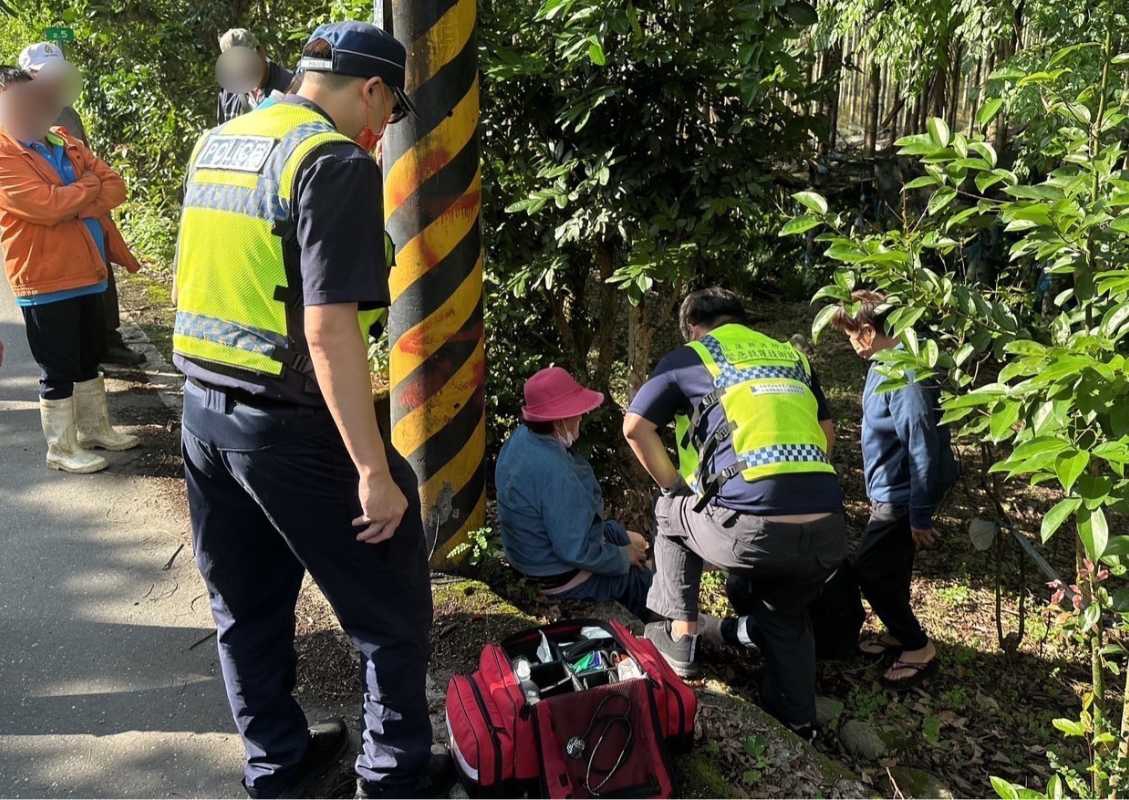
[776,568]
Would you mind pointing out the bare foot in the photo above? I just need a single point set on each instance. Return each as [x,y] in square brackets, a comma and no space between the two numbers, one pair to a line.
[921,656]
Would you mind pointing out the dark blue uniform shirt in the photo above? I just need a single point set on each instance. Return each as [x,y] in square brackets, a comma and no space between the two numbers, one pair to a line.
[681,380]
[334,251]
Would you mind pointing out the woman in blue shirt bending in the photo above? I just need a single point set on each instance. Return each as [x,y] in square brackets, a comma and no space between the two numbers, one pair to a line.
[909,465]
[551,509]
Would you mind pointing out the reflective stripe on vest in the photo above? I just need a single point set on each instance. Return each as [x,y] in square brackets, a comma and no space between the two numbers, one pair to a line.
[770,414]
[232,286]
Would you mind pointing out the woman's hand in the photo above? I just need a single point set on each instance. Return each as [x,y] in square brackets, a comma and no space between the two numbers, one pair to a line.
[924,537]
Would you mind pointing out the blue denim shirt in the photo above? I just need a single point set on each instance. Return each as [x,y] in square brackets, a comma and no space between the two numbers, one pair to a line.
[906,454]
[550,509]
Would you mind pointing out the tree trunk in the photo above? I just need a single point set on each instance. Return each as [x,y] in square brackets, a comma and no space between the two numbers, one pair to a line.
[872,111]
[973,96]
[954,86]
[606,316]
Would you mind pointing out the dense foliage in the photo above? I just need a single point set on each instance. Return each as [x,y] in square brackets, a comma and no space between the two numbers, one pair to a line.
[1050,389]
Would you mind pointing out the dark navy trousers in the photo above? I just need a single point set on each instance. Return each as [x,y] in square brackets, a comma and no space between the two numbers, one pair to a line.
[272,493]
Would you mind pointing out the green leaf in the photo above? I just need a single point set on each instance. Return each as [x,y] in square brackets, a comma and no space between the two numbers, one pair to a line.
[1069,466]
[1090,616]
[988,112]
[1120,58]
[1003,421]
[938,131]
[1121,224]
[1069,727]
[909,337]
[1025,347]
[1068,50]
[986,150]
[800,225]
[813,201]
[940,199]
[822,319]
[962,355]
[931,353]
[1093,530]
[596,52]
[1055,518]
[922,182]
[1004,789]
[962,217]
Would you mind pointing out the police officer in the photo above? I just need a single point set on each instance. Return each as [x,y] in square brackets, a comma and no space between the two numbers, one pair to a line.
[282,274]
[754,494]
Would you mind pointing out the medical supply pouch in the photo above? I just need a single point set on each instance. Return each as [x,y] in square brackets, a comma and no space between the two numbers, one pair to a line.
[578,708]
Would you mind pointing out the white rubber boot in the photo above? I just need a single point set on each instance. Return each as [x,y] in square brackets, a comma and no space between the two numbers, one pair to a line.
[92,418]
[63,451]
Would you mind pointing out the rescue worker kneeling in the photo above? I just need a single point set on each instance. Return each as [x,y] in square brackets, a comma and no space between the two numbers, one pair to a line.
[754,494]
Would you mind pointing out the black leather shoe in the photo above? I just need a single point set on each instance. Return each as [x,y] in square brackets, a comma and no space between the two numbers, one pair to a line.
[437,783]
[328,743]
[122,355]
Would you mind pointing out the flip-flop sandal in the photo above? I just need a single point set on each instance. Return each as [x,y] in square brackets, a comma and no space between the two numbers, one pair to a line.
[881,647]
[921,672]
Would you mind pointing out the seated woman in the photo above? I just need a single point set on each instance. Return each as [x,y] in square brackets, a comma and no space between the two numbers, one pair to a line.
[909,465]
[551,509]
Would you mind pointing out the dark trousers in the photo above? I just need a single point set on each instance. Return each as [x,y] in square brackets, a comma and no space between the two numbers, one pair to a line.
[776,569]
[272,494]
[66,340]
[113,319]
[883,567]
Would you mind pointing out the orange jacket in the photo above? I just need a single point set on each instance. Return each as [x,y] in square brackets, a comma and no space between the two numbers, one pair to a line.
[46,245]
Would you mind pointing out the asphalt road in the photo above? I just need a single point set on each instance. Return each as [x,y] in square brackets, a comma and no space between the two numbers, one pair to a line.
[102,693]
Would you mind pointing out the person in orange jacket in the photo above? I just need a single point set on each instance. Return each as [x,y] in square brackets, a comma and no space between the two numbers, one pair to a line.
[58,238]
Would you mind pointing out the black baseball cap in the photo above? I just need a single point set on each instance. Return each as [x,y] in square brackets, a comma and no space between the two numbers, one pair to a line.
[362,50]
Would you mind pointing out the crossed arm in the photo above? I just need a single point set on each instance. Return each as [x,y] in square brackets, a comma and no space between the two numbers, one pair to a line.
[28,197]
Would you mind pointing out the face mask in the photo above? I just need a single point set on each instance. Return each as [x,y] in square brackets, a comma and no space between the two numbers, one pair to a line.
[368,139]
[566,437]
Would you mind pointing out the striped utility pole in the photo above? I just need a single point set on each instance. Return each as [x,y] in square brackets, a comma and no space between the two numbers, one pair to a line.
[432,208]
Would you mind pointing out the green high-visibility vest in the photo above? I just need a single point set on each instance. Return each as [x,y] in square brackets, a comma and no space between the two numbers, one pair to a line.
[232,283]
[770,413]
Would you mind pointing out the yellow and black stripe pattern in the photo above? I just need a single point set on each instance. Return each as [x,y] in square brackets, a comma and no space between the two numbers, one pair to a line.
[432,207]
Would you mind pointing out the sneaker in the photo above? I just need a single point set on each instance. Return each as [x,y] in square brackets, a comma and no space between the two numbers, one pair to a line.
[328,743]
[122,356]
[437,782]
[681,653]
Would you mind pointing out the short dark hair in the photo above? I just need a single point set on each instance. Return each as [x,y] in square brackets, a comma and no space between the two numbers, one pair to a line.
[872,310]
[710,307]
[10,76]
[322,49]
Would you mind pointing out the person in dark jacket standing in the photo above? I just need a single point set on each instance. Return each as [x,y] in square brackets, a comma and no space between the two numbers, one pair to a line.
[247,76]
[45,62]
[909,465]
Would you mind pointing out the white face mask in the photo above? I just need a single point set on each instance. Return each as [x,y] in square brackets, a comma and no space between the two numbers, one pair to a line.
[567,435]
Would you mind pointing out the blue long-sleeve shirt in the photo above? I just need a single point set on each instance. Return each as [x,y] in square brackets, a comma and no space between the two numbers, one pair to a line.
[551,510]
[907,455]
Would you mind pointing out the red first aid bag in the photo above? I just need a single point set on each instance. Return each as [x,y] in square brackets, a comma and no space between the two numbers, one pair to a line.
[578,708]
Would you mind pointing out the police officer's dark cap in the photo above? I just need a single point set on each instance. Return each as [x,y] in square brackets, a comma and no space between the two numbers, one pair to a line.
[362,50]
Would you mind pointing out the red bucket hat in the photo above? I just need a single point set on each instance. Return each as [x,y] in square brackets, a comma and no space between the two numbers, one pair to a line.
[553,394]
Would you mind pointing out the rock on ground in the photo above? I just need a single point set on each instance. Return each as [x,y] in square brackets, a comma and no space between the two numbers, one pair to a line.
[861,740]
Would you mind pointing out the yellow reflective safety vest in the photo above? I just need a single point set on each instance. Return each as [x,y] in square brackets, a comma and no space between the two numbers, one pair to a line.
[770,414]
[235,302]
